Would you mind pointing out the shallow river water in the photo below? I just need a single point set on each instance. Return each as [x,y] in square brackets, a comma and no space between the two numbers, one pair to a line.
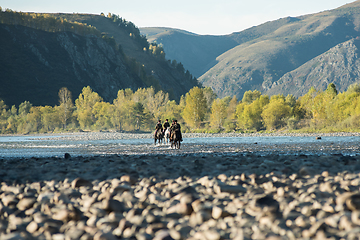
[91,144]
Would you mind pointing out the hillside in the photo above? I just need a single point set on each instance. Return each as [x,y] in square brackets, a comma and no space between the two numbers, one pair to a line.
[170,78]
[47,52]
[340,65]
[35,64]
[258,63]
[263,56]
[196,52]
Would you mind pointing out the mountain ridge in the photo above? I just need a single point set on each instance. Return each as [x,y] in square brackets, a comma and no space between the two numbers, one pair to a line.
[42,53]
[265,53]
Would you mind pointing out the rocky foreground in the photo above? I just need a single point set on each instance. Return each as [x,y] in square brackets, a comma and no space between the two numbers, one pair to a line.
[190,196]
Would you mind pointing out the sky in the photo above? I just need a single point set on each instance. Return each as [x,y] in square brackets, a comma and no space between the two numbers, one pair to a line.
[211,17]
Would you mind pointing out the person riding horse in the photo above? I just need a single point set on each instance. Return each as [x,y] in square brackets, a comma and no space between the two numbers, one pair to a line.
[166,125]
[158,127]
[158,134]
[176,129]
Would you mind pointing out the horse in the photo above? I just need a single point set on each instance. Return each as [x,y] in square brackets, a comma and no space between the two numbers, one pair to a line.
[167,135]
[158,136]
[175,140]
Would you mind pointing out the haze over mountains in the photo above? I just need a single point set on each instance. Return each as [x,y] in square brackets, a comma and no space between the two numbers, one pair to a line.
[286,56]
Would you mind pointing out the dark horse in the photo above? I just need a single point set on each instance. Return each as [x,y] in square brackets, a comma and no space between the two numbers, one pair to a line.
[175,139]
[158,136]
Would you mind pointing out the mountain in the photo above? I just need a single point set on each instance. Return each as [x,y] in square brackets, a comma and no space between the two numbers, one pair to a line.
[35,64]
[271,57]
[340,65]
[172,78]
[196,52]
[40,53]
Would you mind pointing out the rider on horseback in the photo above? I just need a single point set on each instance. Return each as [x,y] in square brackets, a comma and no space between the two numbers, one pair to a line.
[158,127]
[176,129]
[166,125]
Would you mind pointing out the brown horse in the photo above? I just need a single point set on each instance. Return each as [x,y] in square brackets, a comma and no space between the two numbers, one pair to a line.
[158,136]
[175,139]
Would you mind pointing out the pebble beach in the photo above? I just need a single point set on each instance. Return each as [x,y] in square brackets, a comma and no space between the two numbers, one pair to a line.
[247,193]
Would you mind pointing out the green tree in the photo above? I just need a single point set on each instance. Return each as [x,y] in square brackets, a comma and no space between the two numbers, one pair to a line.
[50,119]
[331,89]
[122,104]
[155,103]
[3,116]
[230,121]
[250,96]
[103,112]
[22,123]
[31,122]
[218,113]
[209,95]
[141,115]
[66,106]
[84,107]
[276,113]
[173,111]
[249,115]
[307,103]
[195,107]
[24,108]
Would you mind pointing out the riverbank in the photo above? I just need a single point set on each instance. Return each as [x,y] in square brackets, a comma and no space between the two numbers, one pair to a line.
[217,195]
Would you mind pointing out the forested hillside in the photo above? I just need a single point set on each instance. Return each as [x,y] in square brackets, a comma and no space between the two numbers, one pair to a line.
[277,56]
[41,53]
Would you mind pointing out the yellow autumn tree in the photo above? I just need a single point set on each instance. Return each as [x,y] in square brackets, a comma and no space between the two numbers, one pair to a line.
[276,113]
[84,107]
[218,113]
[195,107]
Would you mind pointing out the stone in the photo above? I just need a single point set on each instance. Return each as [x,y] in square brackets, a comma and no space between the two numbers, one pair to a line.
[32,227]
[221,188]
[100,235]
[129,179]
[181,208]
[80,182]
[9,200]
[25,203]
[306,171]
[353,202]
[163,235]
[217,212]
[212,235]
[12,236]
[113,205]
[267,204]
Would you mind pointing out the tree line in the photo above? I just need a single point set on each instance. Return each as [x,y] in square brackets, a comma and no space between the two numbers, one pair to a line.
[45,22]
[198,111]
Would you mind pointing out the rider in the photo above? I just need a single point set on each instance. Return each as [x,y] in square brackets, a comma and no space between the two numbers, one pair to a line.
[166,124]
[158,127]
[176,128]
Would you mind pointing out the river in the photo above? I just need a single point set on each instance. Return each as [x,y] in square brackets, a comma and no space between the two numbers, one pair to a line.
[94,144]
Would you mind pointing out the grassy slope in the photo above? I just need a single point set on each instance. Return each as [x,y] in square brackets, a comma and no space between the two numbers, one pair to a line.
[270,50]
[196,52]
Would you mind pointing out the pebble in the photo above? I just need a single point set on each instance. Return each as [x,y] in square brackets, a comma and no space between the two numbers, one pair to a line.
[221,196]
